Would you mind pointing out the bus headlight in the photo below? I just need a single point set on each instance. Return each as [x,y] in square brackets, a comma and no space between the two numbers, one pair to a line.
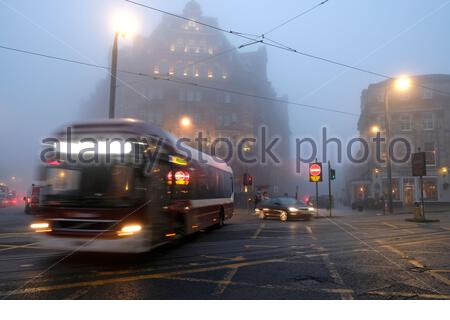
[41,227]
[129,230]
[292,209]
[311,209]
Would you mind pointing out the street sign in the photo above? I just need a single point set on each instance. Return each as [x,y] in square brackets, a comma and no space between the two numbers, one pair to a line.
[315,172]
[419,165]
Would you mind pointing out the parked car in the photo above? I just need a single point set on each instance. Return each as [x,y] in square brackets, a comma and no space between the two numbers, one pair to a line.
[284,208]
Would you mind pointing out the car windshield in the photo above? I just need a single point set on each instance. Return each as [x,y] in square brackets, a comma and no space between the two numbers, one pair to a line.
[291,202]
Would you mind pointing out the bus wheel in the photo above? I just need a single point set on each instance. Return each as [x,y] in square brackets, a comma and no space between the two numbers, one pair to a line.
[283,216]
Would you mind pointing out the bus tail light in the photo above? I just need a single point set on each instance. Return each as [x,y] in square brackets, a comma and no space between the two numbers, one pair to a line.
[129,230]
[41,227]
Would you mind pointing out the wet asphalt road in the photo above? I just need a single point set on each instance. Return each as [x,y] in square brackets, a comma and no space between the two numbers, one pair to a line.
[354,256]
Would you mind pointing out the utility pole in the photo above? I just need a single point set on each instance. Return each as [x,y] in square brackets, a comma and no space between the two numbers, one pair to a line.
[112,88]
[329,186]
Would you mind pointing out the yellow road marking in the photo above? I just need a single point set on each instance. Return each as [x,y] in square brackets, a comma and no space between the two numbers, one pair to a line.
[229,275]
[409,295]
[238,258]
[11,247]
[104,282]
[390,225]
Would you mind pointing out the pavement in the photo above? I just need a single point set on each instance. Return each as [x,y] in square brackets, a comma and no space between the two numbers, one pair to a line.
[351,256]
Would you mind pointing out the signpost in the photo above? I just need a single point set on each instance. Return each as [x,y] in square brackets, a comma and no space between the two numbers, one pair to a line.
[419,169]
[315,175]
[331,176]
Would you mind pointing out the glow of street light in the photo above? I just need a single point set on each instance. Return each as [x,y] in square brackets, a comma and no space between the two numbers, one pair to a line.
[375,129]
[403,83]
[124,23]
[185,122]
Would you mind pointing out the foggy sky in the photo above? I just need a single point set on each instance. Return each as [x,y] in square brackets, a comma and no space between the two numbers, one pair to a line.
[37,95]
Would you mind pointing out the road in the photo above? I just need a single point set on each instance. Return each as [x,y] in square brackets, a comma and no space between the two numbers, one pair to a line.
[353,256]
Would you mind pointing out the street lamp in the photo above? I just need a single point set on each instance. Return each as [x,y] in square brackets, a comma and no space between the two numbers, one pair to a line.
[123,25]
[375,129]
[402,83]
[185,122]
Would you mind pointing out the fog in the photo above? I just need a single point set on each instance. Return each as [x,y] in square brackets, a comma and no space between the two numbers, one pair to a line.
[37,94]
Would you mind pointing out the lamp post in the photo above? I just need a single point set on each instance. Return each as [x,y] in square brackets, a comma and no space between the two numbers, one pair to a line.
[123,25]
[401,84]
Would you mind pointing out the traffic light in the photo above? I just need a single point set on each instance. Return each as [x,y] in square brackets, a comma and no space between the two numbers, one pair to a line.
[332,174]
[247,179]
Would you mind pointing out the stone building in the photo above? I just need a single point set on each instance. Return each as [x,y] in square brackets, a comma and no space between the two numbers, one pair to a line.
[187,52]
[421,115]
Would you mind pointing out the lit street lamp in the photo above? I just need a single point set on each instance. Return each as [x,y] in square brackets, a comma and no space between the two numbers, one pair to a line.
[123,25]
[401,84]
[185,122]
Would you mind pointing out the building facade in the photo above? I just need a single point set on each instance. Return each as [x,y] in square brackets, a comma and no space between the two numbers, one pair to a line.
[188,53]
[419,115]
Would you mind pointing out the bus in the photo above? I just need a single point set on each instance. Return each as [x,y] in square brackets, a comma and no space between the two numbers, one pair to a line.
[129,197]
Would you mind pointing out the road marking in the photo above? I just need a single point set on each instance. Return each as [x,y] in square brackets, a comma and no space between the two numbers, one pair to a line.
[259,246]
[420,265]
[351,226]
[309,229]
[14,234]
[238,258]
[163,275]
[229,275]
[11,247]
[258,231]
[410,295]
[335,275]
[390,225]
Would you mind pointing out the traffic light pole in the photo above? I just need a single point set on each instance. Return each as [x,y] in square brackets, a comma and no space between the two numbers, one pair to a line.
[329,187]
[317,199]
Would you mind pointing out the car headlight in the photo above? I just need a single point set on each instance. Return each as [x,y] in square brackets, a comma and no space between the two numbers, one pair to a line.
[129,230]
[292,209]
[41,227]
[311,209]
[257,210]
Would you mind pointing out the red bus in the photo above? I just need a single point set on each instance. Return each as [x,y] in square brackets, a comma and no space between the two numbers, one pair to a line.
[130,199]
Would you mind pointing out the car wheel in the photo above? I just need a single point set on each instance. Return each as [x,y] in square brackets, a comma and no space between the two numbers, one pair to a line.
[262,216]
[283,216]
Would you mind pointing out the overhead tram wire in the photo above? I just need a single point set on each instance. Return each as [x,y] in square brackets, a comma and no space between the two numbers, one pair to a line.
[294,18]
[178,81]
[275,44]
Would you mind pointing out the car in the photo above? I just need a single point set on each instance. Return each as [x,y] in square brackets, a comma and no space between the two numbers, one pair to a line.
[11,198]
[284,208]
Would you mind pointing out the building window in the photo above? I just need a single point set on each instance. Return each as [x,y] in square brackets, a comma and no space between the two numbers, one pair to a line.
[430,151]
[427,93]
[156,69]
[428,121]
[211,51]
[227,98]
[405,122]
[380,96]
[430,191]
[172,47]
[210,74]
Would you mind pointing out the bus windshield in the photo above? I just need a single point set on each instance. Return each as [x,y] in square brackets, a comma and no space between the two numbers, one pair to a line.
[90,186]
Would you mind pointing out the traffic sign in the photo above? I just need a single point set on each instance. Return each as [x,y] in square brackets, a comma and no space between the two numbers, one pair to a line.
[315,172]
